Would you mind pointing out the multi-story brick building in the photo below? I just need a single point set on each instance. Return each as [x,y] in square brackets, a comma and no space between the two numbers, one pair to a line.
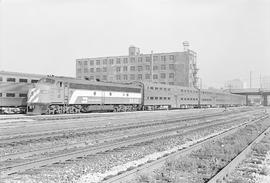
[173,68]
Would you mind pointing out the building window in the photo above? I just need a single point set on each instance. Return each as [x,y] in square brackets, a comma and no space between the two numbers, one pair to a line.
[147,67]
[118,61]
[34,81]
[91,62]
[147,76]
[171,57]
[132,59]
[125,77]
[85,70]
[85,63]
[171,75]
[163,58]
[140,68]
[97,62]
[104,69]
[104,61]
[11,80]
[91,70]
[155,58]
[155,67]
[155,76]
[171,66]
[118,77]
[162,83]
[163,67]
[118,69]
[104,77]
[10,94]
[23,80]
[132,76]
[140,76]
[156,98]
[125,60]
[1,79]
[79,63]
[132,68]
[79,70]
[22,95]
[1,94]
[111,61]
[92,77]
[125,68]
[162,75]
[171,83]
[98,69]
[147,59]
[139,59]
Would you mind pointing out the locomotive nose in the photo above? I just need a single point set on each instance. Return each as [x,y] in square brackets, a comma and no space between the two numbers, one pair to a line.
[38,94]
[33,95]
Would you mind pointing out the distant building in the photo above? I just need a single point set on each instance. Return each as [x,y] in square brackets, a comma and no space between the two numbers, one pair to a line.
[265,82]
[234,84]
[173,68]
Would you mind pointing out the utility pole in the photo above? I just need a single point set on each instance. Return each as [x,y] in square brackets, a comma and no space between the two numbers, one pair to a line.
[250,82]
[199,90]
[260,80]
[152,65]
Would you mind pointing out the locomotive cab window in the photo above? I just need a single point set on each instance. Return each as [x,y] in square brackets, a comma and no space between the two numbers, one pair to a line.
[59,84]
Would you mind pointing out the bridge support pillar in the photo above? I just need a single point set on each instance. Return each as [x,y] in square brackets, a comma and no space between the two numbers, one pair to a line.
[265,102]
[246,100]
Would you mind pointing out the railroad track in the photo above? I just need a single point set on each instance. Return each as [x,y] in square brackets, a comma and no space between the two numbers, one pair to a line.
[58,133]
[148,168]
[183,128]
[222,175]
[89,115]
[82,153]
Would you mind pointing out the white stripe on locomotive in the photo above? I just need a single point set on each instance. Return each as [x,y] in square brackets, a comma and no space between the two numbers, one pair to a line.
[107,94]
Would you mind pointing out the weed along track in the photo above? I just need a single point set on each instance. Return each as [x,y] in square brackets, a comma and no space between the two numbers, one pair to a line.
[212,161]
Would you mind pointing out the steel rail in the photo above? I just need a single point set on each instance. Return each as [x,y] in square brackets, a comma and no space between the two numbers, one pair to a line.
[113,138]
[59,133]
[223,174]
[148,168]
[85,152]
[80,116]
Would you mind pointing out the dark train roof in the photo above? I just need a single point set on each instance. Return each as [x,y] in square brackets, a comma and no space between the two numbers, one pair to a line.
[100,83]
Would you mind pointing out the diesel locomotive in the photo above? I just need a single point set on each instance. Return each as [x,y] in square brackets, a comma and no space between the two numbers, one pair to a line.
[58,95]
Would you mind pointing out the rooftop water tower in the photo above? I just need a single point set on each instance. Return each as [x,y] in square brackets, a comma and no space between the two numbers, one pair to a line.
[186,45]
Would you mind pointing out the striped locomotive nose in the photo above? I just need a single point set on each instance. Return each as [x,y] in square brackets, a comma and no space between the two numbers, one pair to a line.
[33,95]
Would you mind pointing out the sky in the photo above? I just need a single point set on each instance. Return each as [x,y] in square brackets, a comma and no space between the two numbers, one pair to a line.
[231,37]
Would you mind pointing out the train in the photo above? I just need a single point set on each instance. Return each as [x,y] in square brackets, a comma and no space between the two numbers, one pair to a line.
[61,95]
[14,87]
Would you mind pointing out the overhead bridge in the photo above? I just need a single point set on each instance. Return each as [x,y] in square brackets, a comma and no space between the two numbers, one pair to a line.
[253,91]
